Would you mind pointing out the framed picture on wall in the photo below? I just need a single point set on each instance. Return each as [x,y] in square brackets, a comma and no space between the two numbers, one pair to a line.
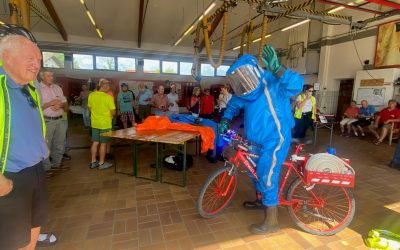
[387,53]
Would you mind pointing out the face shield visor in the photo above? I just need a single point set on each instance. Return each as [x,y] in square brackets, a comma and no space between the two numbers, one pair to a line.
[246,77]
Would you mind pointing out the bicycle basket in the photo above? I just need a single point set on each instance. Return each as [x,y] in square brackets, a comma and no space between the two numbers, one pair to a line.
[327,169]
[229,152]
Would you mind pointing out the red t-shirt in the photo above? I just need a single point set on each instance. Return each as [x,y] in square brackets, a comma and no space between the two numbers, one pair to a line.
[387,114]
[352,112]
[207,104]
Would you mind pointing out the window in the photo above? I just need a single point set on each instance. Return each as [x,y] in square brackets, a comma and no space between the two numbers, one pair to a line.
[151,66]
[185,68]
[126,64]
[105,62]
[81,61]
[170,67]
[53,60]
[207,69]
[221,70]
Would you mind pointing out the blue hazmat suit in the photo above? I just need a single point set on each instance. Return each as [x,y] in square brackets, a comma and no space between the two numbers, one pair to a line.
[268,122]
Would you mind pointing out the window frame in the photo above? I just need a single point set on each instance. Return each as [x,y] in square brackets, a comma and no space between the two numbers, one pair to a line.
[53,52]
[117,64]
[180,68]
[211,67]
[216,71]
[93,61]
[177,68]
[159,66]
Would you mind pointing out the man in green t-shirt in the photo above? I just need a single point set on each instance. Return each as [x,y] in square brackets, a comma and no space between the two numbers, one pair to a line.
[125,102]
[102,109]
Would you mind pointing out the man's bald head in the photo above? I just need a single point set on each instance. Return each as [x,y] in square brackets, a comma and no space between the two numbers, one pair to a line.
[21,58]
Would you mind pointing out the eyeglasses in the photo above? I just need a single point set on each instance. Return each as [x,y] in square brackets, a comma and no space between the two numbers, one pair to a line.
[28,96]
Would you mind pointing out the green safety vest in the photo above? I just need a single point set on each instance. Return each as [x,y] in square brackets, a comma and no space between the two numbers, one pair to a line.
[299,111]
[5,117]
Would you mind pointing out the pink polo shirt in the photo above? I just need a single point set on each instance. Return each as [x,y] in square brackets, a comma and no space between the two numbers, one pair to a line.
[49,93]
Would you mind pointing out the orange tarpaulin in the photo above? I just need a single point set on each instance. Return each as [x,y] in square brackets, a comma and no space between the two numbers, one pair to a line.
[158,123]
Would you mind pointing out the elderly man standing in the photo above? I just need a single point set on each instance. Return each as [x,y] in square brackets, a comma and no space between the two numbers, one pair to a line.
[23,190]
[102,108]
[144,99]
[54,104]
[160,101]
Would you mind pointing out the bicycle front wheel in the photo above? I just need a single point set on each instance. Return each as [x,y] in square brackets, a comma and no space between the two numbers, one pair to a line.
[216,192]
[320,209]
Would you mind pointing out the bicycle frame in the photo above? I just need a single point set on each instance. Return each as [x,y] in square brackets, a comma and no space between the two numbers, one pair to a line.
[245,158]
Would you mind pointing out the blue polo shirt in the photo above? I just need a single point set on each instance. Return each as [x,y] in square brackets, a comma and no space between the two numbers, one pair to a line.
[143,96]
[27,145]
[368,111]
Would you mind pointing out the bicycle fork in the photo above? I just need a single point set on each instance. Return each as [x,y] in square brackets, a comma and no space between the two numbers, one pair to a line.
[223,191]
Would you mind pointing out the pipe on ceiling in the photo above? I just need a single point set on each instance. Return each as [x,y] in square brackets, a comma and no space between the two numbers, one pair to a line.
[386,3]
[351,7]
[25,14]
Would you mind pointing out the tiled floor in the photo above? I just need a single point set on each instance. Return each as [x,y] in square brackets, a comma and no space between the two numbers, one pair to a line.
[98,209]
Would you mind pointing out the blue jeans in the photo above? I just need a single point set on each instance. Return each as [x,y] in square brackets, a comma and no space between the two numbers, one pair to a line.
[86,117]
[396,156]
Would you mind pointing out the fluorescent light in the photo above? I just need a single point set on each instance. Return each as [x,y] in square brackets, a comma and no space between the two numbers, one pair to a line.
[238,47]
[179,40]
[99,32]
[259,39]
[91,18]
[188,30]
[295,25]
[336,9]
[2,23]
[82,2]
[210,8]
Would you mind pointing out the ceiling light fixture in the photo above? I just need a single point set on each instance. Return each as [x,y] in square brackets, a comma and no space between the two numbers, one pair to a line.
[295,25]
[91,19]
[2,23]
[238,47]
[259,39]
[198,19]
[336,9]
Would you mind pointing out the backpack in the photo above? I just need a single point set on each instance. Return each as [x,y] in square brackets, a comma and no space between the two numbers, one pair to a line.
[175,162]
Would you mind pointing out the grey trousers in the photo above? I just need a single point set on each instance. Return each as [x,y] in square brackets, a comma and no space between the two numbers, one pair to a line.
[55,137]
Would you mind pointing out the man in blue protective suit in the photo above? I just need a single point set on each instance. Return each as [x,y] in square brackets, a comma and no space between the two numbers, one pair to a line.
[265,98]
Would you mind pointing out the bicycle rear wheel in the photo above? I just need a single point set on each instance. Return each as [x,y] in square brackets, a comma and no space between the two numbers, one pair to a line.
[334,215]
[216,192]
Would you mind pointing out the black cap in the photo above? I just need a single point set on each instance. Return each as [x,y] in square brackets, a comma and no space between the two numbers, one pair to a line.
[12,29]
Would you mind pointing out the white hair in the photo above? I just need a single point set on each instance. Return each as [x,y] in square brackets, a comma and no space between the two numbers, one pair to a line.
[10,42]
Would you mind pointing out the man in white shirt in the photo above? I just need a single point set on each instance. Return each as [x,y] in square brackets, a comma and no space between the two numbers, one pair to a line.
[173,99]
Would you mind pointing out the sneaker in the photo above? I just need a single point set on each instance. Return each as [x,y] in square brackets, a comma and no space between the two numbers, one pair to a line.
[66,157]
[109,156]
[94,164]
[105,165]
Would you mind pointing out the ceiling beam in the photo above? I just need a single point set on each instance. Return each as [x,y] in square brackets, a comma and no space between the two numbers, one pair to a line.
[386,3]
[141,17]
[56,19]
[352,7]
[214,26]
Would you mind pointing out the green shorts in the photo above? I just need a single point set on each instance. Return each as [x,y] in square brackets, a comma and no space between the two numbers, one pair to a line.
[96,135]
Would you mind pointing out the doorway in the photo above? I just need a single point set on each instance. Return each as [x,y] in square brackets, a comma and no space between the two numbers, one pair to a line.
[345,96]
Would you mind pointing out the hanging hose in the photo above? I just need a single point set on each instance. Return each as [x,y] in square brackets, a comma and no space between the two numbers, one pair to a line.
[195,65]
[263,34]
[223,40]
[249,36]
[244,32]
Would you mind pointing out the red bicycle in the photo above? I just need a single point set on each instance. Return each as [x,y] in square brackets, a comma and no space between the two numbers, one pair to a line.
[320,203]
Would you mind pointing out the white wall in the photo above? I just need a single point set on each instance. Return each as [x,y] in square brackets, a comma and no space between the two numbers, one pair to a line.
[389,75]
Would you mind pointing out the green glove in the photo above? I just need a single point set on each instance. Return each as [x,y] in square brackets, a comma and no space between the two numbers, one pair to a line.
[270,59]
[223,126]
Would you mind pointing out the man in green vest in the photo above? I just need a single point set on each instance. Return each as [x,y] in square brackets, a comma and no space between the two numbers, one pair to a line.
[23,190]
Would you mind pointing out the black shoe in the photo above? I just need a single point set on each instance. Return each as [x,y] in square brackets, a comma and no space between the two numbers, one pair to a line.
[210,157]
[66,157]
[109,156]
[257,204]
[269,224]
[393,165]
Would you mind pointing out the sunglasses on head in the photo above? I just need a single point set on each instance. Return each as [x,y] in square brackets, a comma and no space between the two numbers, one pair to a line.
[28,96]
